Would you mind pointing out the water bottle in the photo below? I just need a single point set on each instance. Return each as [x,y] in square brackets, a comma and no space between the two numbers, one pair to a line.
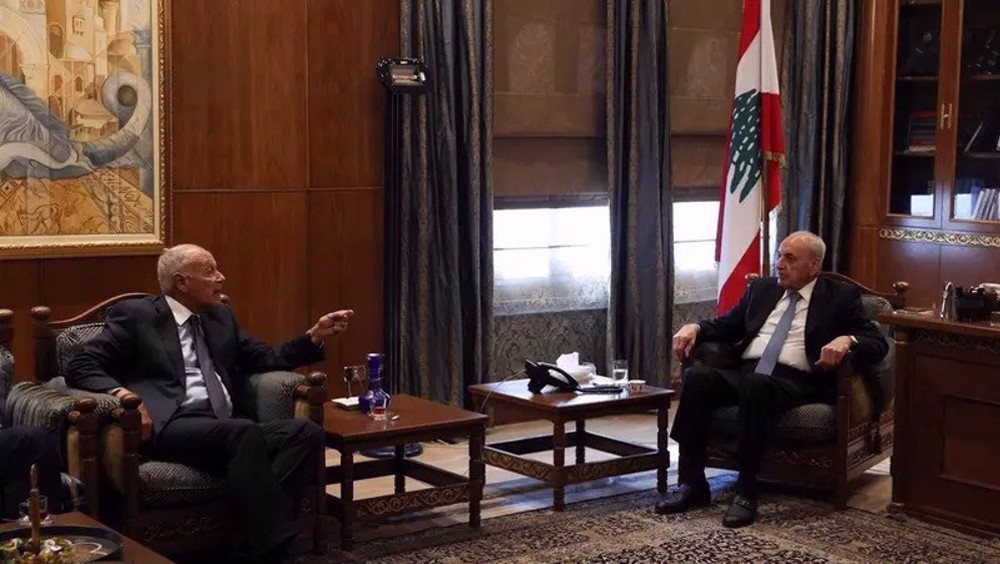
[375,401]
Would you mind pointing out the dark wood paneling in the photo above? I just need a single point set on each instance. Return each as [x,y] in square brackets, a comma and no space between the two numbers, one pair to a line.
[255,92]
[916,263]
[346,102]
[93,281]
[19,292]
[968,266]
[239,96]
[869,137]
[259,241]
[345,271]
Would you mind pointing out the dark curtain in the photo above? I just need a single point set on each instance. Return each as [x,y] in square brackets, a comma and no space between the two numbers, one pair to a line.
[815,90]
[639,315]
[439,281]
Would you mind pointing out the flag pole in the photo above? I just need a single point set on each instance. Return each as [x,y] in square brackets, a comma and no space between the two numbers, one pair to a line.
[765,243]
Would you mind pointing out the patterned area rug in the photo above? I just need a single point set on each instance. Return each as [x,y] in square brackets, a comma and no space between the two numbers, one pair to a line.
[623,529]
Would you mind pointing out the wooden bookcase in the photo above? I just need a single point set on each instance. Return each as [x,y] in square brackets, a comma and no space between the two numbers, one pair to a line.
[926,161]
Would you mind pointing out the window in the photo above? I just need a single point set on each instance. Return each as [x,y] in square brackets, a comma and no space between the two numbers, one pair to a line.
[696,274]
[551,259]
[559,259]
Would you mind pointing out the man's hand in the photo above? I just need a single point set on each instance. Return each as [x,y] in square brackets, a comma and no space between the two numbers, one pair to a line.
[684,340]
[145,421]
[333,322]
[833,353]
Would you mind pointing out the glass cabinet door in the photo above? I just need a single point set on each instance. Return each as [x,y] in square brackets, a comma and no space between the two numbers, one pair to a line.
[915,117]
[976,185]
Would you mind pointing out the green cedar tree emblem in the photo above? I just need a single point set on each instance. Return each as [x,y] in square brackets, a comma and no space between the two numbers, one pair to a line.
[744,151]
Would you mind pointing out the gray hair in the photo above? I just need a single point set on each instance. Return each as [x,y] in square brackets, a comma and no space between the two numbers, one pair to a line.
[813,241]
[172,261]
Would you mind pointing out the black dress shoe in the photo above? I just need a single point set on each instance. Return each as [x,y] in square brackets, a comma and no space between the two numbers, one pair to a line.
[685,497]
[742,511]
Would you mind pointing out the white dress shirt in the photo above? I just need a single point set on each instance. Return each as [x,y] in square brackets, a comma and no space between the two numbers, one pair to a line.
[195,392]
[793,351]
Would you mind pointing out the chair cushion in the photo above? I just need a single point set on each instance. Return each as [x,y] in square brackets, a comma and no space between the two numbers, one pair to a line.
[813,423]
[70,340]
[169,484]
[874,305]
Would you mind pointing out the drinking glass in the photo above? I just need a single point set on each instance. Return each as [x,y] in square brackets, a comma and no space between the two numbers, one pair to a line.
[619,371]
[43,511]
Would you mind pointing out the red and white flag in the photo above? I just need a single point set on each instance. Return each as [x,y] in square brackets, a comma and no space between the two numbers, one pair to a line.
[756,139]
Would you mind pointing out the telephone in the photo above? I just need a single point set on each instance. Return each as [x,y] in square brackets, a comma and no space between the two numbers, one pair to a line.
[541,374]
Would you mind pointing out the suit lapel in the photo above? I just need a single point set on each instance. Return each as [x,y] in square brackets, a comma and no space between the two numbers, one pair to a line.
[817,304]
[166,326]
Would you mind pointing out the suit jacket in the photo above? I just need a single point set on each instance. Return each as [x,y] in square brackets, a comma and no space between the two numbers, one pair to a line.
[835,310]
[140,349]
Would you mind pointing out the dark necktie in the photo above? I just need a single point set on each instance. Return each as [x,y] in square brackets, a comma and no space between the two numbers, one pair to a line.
[769,359]
[216,395]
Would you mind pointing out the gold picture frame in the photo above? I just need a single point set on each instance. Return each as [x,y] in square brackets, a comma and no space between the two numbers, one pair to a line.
[84,142]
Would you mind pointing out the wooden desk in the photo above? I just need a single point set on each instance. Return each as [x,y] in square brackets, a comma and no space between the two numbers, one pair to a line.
[560,408]
[419,420]
[946,457]
[132,552]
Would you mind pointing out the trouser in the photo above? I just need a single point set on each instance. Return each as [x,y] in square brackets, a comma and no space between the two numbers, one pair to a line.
[265,467]
[762,400]
[20,447]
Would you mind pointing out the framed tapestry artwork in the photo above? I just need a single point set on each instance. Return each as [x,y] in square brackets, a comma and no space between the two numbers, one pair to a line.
[82,127]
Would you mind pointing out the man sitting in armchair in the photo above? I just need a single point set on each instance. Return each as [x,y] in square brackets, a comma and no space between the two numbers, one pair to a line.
[791,333]
[182,352]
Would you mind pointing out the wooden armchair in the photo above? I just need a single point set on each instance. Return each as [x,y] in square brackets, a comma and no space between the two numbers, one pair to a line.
[819,445]
[30,403]
[170,507]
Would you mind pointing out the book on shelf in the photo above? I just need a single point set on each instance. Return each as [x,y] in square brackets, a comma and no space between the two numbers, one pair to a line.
[921,132]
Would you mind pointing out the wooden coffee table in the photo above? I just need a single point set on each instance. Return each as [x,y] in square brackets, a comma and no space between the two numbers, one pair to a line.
[560,408]
[419,420]
[132,551]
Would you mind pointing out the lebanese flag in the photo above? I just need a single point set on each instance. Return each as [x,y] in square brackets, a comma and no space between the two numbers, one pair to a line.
[755,140]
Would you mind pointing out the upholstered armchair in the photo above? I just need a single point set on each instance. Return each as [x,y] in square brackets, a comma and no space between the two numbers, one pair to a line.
[819,445]
[171,507]
[29,403]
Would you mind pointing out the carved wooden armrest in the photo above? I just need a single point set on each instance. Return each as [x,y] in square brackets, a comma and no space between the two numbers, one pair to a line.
[310,397]
[120,456]
[81,448]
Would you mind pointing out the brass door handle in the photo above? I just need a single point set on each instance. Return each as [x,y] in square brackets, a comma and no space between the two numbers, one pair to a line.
[945,121]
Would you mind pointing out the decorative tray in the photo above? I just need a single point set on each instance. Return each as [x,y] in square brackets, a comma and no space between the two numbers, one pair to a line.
[86,544]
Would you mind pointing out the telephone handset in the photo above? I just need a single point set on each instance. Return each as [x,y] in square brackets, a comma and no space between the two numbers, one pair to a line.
[541,374]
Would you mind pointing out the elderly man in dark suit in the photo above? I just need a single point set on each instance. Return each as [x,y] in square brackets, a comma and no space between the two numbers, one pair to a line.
[791,333]
[182,352]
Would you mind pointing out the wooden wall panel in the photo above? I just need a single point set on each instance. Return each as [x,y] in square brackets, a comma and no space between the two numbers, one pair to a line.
[19,283]
[259,242]
[345,271]
[93,280]
[346,102]
[916,263]
[257,95]
[239,101]
[969,266]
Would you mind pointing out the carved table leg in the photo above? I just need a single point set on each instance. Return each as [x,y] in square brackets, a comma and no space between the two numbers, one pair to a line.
[477,475]
[559,461]
[581,441]
[661,446]
[347,498]
[400,476]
